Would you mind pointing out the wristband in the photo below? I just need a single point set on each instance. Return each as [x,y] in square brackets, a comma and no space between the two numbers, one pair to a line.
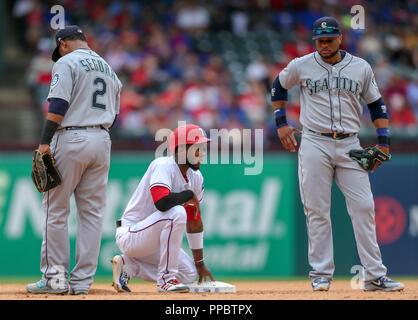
[280,117]
[383,137]
[199,261]
[195,240]
[383,141]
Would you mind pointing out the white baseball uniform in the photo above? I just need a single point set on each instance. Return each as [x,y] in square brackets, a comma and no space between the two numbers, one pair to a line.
[81,147]
[150,240]
[330,102]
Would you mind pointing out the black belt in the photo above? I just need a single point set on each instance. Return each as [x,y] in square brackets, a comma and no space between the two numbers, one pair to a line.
[118,223]
[334,135]
[83,128]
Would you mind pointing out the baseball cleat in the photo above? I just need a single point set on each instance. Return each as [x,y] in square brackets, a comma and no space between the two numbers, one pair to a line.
[78,292]
[384,284]
[173,286]
[320,284]
[41,287]
[120,276]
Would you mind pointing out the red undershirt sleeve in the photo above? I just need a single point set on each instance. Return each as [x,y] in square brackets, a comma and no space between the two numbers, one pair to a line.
[190,214]
[159,192]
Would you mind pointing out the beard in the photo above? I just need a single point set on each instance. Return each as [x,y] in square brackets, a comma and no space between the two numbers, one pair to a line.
[330,55]
[194,167]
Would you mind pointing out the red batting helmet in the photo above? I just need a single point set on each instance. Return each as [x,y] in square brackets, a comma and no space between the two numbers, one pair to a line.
[187,134]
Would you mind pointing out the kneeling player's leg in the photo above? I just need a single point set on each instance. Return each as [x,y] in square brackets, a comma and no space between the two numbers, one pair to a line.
[187,269]
[161,232]
[146,268]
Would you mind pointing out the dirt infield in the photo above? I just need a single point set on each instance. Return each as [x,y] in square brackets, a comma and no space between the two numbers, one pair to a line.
[258,290]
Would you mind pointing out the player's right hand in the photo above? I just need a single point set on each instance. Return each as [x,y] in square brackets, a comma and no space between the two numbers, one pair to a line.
[287,138]
[204,273]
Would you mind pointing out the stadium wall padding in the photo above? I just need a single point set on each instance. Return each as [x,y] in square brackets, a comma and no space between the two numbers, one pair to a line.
[254,224]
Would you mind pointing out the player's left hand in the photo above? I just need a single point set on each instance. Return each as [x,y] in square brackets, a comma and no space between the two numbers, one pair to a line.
[203,273]
[378,163]
[44,148]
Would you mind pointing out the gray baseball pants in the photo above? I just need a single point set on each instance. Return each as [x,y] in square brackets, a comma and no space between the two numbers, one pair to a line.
[322,159]
[83,159]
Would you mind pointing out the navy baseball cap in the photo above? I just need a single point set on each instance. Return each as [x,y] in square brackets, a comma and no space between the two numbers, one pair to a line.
[62,34]
[326,27]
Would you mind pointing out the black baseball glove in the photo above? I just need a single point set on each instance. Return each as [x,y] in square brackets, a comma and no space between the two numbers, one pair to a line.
[368,157]
[45,174]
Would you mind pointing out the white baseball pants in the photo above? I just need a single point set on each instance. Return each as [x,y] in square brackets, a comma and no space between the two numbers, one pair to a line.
[152,248]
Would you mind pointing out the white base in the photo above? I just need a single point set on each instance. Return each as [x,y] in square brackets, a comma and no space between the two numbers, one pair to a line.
[212,287]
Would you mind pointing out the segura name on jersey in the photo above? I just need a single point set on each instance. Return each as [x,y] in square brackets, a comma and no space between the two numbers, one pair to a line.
[340,83]
[91,64]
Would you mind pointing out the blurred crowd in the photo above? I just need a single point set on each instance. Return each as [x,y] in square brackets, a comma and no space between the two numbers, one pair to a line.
[154,48]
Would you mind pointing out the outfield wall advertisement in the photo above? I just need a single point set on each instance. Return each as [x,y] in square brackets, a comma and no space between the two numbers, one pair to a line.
[254,224]
[395,191]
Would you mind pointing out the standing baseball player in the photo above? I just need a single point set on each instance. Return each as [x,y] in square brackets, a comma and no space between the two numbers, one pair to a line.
[84,101]
[332,82]
[151,230]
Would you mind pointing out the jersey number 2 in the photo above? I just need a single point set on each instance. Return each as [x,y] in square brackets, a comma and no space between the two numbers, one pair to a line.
[101,90]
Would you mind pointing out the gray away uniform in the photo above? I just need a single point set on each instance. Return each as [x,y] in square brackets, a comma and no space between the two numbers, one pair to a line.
[81,147]
[330,102]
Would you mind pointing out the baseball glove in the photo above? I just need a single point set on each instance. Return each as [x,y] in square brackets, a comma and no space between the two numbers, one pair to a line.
[45,174]
[368,157]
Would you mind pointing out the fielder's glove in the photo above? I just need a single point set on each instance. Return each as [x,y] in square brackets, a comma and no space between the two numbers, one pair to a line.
[45,174]
[368,157]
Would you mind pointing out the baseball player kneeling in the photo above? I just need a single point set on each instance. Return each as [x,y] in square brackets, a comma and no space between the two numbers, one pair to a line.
[166,200]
